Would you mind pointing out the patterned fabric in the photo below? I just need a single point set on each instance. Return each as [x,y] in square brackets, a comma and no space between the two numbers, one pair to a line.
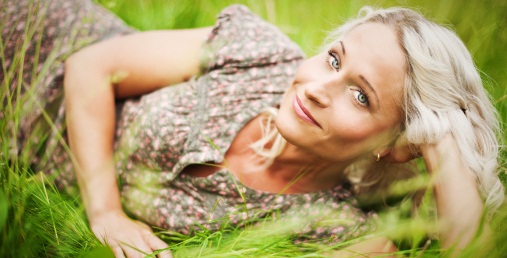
[48,31]
[247,67]
[250,65]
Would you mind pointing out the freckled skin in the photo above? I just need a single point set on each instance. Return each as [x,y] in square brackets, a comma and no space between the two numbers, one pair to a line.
[347,129]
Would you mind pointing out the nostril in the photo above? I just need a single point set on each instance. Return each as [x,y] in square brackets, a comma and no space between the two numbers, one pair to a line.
[313,99]
[316,96]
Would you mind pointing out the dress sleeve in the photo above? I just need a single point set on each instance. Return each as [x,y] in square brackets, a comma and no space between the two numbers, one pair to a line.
[241,39]
[248,65]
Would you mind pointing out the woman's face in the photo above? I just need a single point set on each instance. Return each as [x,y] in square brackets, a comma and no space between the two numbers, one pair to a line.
[345,103]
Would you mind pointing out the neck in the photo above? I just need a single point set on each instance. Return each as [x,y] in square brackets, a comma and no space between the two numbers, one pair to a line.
[295,163]
[303,170]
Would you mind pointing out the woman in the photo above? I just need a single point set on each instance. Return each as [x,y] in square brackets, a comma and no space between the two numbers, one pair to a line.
[389,87]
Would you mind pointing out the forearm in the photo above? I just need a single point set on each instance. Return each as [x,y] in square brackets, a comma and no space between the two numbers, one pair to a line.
[90,124]
[374,247]
[458,200]
[138,64]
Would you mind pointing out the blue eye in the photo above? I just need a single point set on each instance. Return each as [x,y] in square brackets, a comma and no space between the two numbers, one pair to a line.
[361,97]
[334,61]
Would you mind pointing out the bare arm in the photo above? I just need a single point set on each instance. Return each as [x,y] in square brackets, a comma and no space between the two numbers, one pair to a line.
[374,247]
[459,204]
[120,67]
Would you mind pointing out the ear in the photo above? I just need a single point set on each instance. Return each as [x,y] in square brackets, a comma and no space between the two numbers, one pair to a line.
[382,152]
[399,152]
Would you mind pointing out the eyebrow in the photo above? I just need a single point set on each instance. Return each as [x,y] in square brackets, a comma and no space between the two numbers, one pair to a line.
[369,86]
[365,81]
[343,47]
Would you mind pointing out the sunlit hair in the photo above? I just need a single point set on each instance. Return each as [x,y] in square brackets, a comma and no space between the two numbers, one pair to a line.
[443,92]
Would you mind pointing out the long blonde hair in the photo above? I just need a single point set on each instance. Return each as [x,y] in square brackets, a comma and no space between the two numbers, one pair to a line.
[443,92]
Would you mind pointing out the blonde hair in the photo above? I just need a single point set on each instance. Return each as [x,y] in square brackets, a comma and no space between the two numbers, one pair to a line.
[443,92]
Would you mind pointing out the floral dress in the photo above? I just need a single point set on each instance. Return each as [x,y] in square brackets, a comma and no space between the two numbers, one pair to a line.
[247,66]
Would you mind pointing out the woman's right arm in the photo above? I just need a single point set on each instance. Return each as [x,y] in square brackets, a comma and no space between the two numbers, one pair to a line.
[120,67]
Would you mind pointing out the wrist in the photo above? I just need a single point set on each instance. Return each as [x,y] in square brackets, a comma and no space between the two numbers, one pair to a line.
[101,196]
[98,215]
[99,207]
[435,155]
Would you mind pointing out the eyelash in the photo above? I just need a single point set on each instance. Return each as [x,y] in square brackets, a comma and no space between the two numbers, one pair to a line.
[367,104]
[332,55]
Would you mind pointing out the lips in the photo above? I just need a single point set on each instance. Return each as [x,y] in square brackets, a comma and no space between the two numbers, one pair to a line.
[303,113]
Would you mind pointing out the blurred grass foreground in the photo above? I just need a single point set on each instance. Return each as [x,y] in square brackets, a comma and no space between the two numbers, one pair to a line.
[37,221]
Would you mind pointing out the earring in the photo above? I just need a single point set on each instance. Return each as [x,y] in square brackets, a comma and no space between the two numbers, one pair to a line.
[378,157]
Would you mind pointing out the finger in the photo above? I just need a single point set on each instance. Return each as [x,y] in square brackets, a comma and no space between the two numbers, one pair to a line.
[165,254]
[401,155]
[101,236]
[402,151]
[135,250]
[117,251]
[157,244]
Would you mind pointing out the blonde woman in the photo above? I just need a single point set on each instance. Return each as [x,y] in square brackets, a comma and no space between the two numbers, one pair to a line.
[247,121]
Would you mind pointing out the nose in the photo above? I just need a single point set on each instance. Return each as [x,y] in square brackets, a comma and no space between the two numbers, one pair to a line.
[320,90]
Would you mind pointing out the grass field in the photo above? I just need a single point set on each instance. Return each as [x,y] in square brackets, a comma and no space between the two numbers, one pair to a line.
[37,221]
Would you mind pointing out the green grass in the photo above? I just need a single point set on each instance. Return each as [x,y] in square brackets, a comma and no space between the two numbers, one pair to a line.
[37,221]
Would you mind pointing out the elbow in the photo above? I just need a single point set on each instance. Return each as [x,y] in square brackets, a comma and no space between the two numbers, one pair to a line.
[84,70]
[71,68]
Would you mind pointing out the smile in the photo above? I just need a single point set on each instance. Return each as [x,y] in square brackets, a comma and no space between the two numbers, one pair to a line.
[302,112]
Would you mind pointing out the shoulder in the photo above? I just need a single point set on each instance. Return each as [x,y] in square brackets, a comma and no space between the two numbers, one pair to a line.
[241,38]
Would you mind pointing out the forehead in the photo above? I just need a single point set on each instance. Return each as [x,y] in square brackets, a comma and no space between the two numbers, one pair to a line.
[373,50]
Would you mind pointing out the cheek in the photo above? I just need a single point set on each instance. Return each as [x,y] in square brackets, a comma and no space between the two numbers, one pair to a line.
[286,102]
[348,121]
[359,129]
[310,69]
[284,121]
[350,128]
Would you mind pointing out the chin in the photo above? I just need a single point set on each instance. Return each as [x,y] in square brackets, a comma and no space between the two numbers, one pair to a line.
[289,129]
[278,121]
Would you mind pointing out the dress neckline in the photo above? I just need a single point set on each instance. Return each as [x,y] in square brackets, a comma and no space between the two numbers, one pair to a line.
[223,175]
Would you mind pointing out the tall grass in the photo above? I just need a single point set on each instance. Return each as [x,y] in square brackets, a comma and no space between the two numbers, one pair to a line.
[37,221]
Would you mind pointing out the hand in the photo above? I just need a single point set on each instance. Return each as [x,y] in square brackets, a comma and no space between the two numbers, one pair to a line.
[126,237]
[402,151]
[445,150]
